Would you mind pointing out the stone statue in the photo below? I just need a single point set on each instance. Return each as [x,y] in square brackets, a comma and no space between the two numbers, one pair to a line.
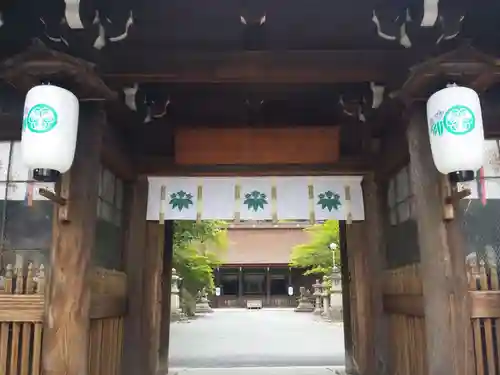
[202,305]
[305,304]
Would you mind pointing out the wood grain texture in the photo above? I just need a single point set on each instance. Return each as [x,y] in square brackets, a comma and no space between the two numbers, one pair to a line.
[153,292]
[404,304]
[67,304]
[311,145]
[166,285]
[375,263]
[135,347]
[288,67]
[446,319]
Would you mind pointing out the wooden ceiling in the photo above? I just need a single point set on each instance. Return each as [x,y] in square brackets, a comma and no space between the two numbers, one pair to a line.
[265,63]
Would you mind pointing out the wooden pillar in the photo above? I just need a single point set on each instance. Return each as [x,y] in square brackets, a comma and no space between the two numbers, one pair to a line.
[346,300]
[445,295]
[240,286]
[365,253]
[67,298]
[217,284]
[155,260]
[217,277]
[362,326]
[268,286]
[166,293]
[134,348]
[374,229]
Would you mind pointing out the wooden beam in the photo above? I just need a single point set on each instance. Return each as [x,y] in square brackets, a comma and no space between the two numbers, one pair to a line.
[465,65]
[257,146]
[30,307]
[115,156]
[485,304]
[444,282]
[129,65]
[39,63]
[67,303]
[162,166]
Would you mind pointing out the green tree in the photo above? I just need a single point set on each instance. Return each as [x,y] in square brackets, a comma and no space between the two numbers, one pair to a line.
[197,251]
[316,256]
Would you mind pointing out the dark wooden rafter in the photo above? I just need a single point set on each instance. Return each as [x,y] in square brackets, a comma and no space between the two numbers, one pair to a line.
[129,66]
[465,65]
[41,64]
[157,165]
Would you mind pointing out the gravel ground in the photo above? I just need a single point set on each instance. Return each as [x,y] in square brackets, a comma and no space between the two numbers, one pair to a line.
[247,342]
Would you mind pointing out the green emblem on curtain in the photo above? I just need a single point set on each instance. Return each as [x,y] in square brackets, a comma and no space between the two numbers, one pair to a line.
[329,200]
[181,200]
[255,200]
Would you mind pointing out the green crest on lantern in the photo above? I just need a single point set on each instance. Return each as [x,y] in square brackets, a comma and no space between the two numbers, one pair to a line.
[458,120]
[41,118]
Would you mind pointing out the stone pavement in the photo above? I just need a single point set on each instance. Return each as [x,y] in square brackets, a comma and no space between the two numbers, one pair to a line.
[318,370]
[248,342]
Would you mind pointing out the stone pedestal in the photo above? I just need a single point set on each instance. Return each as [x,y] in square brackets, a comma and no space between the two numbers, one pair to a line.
[202,305]
[326,300]
[317,294]
[336,296]
[305,304]
[175,301]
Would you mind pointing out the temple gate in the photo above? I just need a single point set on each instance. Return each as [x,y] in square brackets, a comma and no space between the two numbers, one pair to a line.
[177,89]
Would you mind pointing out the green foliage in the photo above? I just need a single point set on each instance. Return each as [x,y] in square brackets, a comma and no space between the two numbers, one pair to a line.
[197,250]
[188,302]
[255,200]
[316,256]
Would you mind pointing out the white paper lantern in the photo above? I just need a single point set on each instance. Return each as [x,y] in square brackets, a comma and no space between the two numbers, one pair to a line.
[50,127]
[456,132]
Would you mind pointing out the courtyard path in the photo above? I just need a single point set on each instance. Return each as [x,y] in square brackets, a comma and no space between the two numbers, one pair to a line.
[248,342]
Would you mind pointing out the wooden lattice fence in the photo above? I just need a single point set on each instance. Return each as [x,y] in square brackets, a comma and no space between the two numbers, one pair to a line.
[21,317]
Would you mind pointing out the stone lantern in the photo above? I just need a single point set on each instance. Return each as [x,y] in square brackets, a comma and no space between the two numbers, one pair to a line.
[325,294]
[336,295]
[175,302]
[317,294]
